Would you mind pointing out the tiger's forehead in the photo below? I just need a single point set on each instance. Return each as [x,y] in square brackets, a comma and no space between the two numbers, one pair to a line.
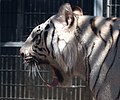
[52,20]
[41,27]
[44,24]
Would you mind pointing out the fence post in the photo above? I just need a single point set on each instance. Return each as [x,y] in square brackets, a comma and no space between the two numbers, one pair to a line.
[0,25]
[108,8]
[98,7]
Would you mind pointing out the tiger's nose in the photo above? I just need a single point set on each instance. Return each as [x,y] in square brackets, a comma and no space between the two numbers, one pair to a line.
[24,53]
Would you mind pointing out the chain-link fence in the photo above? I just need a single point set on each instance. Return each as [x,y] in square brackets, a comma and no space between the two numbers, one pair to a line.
[16,85]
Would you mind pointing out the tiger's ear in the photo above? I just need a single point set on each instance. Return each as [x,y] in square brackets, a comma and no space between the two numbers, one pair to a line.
[65,14]
[77,11]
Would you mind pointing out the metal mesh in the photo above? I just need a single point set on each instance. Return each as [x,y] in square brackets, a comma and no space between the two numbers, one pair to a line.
[16,85]
[112,8]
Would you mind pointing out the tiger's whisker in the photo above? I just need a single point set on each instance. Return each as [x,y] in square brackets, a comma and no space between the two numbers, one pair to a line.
[37,68]
[26,66]
[33,71]
[40,74]
[30,71]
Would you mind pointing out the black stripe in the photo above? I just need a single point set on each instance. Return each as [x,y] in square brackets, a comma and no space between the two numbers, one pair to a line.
[89,67]
[90,55]
[37,37]
[112,19]
[111,32]
[112,62]
[118,95]
[52,39]
[72,22]
[41,49]
[45,40]
[47,27]
[102,38]
[116,49]
[98,75]
[38,53]
[93,27]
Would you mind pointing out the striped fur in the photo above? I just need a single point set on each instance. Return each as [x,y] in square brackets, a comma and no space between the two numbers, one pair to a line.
[75,44]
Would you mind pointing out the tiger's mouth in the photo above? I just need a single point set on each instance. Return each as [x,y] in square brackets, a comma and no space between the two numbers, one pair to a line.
[33,67]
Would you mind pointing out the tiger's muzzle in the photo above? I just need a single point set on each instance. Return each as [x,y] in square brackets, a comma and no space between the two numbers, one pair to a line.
[32,62]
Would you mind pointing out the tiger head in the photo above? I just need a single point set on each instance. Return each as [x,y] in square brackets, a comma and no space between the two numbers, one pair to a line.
[55,43]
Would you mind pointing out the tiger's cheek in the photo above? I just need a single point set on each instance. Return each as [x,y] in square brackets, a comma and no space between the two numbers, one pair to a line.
[61,45]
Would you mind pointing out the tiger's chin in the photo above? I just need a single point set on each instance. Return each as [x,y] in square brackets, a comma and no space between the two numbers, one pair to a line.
[59,78]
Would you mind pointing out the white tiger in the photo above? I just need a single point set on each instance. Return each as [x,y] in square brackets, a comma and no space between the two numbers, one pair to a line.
[76,44]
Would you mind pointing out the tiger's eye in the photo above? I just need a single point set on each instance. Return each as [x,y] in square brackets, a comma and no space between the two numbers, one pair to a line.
[39,26]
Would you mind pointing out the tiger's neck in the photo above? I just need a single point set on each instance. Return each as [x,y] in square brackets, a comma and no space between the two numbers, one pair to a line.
[94,47]
[97,41]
